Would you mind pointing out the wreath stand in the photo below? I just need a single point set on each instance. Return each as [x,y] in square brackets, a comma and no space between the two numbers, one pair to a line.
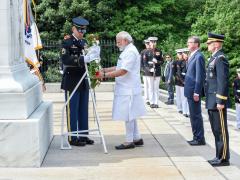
[64,135]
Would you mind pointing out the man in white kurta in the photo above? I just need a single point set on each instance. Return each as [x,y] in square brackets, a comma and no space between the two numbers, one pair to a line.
[128,104]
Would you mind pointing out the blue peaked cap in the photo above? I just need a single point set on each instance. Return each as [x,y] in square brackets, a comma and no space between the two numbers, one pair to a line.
[80,21]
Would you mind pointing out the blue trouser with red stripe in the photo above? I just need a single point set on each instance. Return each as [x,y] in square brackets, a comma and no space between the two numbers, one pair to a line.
[77,111]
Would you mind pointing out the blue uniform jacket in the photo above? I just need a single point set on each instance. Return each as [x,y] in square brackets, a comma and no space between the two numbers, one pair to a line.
[195,75]
[217,81]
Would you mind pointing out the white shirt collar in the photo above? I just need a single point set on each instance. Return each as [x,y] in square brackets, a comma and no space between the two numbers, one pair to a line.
[192,53]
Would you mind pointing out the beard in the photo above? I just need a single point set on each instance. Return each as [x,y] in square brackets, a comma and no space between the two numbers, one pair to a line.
[121,48]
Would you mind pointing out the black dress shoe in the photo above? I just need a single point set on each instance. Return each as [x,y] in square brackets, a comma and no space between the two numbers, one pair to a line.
[185,115]
[214,159]
[169,103]
[86,140]
[138,142]
[125,146]
[152,106]
[197,143]
[148,103]
[156,106]
[77,143]
[219,162]
[180,112]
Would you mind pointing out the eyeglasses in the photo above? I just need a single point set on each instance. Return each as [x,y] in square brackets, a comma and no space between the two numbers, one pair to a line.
[82,30]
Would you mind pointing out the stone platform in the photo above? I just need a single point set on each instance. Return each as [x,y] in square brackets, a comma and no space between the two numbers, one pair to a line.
[165,155]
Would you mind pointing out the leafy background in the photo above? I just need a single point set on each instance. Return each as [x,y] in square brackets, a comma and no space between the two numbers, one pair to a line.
[172,21]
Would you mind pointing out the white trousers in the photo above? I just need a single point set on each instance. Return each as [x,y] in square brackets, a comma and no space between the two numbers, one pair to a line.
[145,84]
[238,114]
[153,89]
[132,132]
[185,106]
[179,97]
[182,103]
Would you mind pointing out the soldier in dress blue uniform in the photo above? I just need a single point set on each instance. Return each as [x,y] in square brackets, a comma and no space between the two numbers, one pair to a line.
[236,92]
[217,83]
[144,68]
[154,62]
[73,60]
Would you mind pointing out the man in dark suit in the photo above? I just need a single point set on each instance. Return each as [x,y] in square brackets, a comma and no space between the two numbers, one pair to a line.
[217,84]
[194,82]
[168,74]
[73,60]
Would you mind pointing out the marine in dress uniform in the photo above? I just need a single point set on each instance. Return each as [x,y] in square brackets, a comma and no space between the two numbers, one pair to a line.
[154,62]
[144,69]
[185,105]
[73,59]
[236,92]
[217,83]
[179,81]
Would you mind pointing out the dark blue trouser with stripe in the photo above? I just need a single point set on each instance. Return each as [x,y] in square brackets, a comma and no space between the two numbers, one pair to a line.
[77,111]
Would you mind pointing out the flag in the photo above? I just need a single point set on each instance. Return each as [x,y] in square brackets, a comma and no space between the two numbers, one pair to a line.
[31,36]
[32,41]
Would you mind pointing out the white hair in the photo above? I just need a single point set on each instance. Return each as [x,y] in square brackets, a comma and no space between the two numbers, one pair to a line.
[124,35]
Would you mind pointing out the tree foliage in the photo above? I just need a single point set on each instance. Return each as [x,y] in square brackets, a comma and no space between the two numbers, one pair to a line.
[166,19]
[222,17]
[172,21]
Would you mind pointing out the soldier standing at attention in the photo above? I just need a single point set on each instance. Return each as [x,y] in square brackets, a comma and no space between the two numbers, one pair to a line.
[145,71]
[73,69]
[155,72]
[216,98]
[185,106]
[236,92]
[179,81]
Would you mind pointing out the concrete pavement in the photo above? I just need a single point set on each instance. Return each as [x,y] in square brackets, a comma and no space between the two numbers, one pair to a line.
[165,154]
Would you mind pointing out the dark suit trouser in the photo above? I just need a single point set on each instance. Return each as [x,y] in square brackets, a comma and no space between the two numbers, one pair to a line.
[77,111]
[170,89]
[218,121]
[196,119]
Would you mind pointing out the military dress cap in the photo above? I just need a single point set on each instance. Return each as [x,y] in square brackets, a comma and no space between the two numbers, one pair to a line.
[80,21]
[152,38]
[215,37]
[182,50]
[146,41]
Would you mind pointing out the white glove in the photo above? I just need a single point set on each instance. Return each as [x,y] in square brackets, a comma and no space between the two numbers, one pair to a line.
[154,60]
[93,54]
[152,70]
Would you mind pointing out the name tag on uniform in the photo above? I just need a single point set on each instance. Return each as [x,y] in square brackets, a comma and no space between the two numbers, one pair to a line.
[238,90]
[183,73]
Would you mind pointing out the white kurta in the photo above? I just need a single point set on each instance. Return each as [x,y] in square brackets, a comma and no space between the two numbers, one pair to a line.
[128,103]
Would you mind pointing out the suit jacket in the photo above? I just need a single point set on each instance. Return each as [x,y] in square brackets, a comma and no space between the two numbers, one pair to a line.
[195,75]
[217,81]
[168,71]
